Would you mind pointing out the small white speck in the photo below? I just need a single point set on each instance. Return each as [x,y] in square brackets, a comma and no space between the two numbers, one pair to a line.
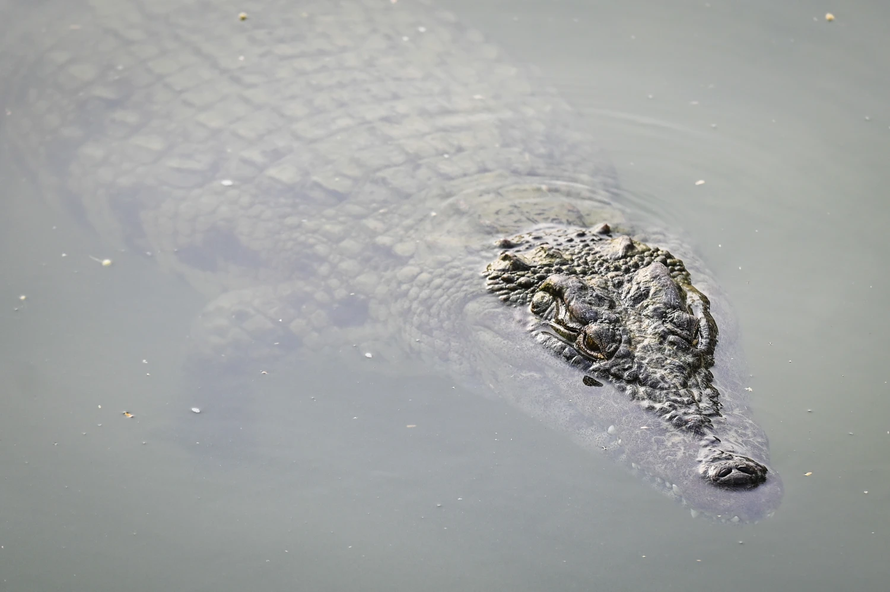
[369,355]
[700,182]
[421,29]
[227,182]
[196,410]
[405,38]
[102,262]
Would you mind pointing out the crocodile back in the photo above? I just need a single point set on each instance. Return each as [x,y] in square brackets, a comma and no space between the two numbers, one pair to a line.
[307,136]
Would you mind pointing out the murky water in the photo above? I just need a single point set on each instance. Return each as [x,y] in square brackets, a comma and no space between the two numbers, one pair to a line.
[782,114]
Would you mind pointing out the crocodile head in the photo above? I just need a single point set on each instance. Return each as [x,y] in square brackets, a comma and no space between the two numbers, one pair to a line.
[626,313]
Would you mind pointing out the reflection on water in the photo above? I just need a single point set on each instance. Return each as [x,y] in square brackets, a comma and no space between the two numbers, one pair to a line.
[780,113]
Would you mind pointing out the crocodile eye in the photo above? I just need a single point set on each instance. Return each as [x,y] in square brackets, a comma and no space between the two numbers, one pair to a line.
[589,346]
[590,343]
[597,342]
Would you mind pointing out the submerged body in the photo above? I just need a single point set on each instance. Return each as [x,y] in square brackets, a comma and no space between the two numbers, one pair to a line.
[338,173]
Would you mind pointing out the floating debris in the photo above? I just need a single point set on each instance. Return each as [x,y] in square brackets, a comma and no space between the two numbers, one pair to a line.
[242,16]
[23,297]
[829,17]
[102,262]
[196,410]
[369,355]
[700,182]
[128,415]
[229,182]
[808,473]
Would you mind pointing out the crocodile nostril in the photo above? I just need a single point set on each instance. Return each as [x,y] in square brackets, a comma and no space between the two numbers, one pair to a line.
[745,469]
[724,472]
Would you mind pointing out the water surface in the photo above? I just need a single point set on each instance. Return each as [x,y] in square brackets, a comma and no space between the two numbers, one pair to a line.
[782,115]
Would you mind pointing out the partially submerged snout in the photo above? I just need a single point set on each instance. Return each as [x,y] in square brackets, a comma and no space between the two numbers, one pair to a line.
[731,470]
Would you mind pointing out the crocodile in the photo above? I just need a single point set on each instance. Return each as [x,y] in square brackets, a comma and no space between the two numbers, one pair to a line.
[371,173]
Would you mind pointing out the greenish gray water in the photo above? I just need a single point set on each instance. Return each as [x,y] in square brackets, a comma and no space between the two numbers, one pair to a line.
[337,493]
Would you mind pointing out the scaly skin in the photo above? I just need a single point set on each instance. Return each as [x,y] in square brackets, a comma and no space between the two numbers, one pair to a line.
[337,173]
[627,313]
